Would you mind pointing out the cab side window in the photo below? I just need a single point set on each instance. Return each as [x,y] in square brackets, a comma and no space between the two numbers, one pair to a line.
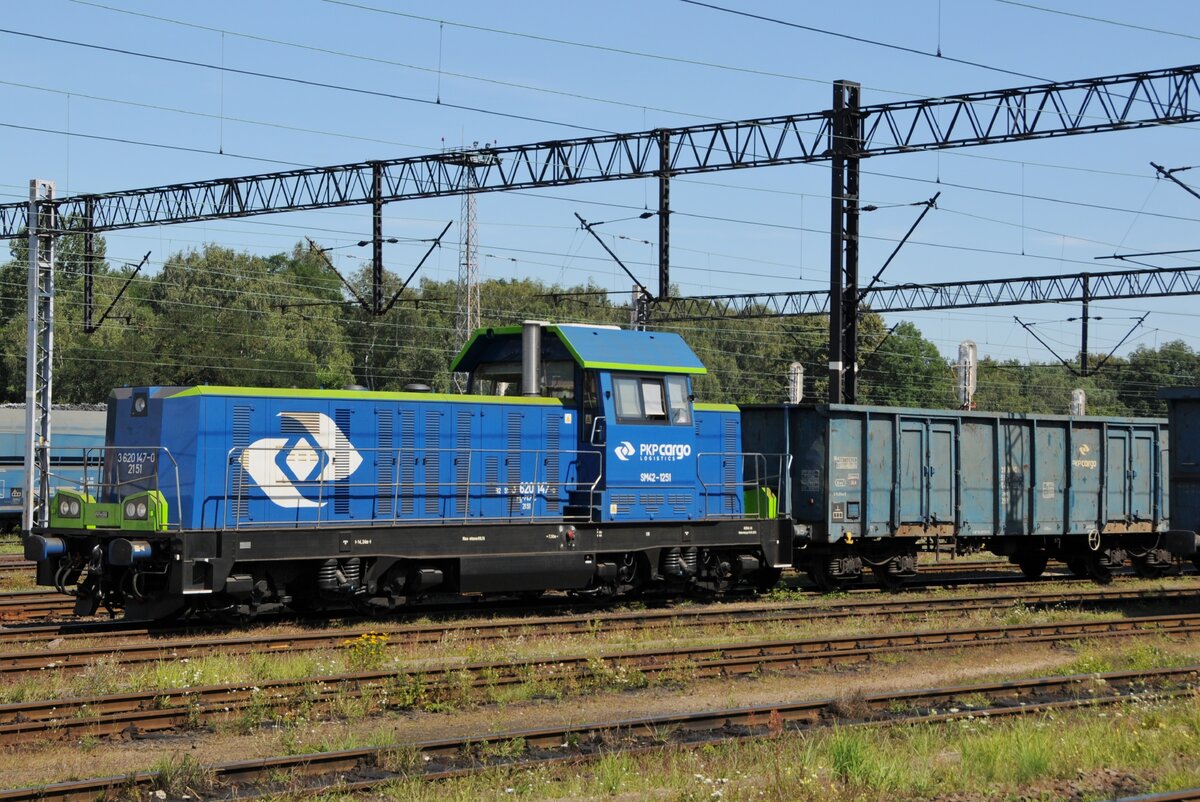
[652,399]
[641,399]
[677,396]
[628,397]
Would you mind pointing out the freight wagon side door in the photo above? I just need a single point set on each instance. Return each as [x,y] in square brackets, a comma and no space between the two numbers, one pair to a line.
[911,468]
[1141,476]
[926,472]
[1116,476]
[940,473]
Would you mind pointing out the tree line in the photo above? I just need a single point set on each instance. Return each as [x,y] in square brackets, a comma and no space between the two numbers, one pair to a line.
[222,317]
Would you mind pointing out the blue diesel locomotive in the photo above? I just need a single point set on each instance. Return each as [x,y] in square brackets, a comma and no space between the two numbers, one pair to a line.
[567,466]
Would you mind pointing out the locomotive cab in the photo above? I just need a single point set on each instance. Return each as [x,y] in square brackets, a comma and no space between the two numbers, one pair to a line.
[658,456]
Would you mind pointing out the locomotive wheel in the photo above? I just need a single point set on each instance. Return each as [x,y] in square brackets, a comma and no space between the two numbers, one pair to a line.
[766,578]
[1096,570]
[631,575]
[1033,564]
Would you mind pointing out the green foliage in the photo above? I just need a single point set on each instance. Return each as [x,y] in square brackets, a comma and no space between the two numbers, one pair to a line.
[217,316]
[906,370]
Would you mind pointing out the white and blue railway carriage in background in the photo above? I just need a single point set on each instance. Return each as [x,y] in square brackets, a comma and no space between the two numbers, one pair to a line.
[75,429]
[577,461]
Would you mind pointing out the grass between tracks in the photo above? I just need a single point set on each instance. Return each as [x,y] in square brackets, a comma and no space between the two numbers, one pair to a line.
[1136,747]
[779,770]
[371,652]
[13,581]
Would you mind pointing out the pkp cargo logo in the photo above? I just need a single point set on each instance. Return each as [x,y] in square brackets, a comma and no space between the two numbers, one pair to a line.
[665,452]
[1084,461]
[315,452]
[653,452]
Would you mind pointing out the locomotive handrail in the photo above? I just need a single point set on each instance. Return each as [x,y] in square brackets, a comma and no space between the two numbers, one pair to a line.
[726,489]
[173,510]
[235,516]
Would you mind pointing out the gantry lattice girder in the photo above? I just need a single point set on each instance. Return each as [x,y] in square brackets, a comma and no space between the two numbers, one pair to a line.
[1133,100]
[1102,286]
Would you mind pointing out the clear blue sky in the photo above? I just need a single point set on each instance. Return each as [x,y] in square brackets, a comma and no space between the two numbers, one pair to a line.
[522,72]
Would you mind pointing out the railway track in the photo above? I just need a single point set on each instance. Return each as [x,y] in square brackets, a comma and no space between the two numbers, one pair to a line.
[152,645]
[149,711]
[363,769]
[27,605]
[21,606]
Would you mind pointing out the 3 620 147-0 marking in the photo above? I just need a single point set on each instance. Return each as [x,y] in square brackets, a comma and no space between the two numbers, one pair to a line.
[656,478]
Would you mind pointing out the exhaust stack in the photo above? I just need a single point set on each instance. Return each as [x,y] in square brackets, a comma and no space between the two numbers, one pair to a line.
[531,358]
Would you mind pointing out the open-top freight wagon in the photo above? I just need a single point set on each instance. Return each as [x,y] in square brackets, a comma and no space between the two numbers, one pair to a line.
[867,487]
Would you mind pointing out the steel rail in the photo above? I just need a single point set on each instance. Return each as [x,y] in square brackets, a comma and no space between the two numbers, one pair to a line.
[187,645]
[10,611]
[1184,795]
[166,709]
[473,753]
[23,605]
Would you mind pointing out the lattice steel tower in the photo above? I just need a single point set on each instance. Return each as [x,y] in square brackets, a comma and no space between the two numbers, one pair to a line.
[466,307]
[466,311]
[39,359]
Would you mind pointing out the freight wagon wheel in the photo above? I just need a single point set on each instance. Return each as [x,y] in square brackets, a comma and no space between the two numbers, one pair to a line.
[889,581]
[1097,571]
[1033,565]
[1143,568]
[1077,566]
[826,582]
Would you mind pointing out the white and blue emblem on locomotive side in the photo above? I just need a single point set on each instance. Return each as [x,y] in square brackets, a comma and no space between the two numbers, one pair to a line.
[312,452]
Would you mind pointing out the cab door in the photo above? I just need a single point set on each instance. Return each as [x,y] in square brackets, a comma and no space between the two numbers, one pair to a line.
[650,468]
[583,471]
